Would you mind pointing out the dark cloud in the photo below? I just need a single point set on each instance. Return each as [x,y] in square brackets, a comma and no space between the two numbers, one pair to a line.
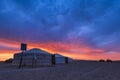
[95,21]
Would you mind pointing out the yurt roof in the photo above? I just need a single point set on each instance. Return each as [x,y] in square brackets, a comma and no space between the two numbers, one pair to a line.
[36,50]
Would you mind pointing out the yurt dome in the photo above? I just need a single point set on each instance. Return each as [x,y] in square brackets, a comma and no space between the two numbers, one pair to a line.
[59,58]
[36,50]
[33,56]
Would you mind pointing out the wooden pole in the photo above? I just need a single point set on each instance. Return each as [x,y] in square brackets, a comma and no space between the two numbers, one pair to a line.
[21,59]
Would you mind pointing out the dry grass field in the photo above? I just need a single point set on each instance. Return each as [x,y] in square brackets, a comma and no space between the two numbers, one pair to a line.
[78,70]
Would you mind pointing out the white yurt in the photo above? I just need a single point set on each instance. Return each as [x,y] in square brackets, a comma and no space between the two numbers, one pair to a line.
[59,58]
[70,60]
[34,56]
[62,59]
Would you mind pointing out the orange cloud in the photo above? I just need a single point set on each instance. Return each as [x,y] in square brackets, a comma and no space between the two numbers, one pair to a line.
[75,51]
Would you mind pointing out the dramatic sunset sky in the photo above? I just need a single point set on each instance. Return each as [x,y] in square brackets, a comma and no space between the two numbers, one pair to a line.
[81,29]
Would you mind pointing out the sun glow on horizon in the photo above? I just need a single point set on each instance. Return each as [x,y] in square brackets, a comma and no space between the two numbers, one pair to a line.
[74,51]
[5,56]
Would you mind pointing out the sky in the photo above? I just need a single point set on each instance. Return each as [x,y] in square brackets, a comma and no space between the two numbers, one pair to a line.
[81,29]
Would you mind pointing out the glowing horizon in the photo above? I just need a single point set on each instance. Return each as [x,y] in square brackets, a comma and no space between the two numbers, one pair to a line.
[71,50]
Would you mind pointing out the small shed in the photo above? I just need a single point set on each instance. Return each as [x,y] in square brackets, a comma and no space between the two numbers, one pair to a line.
[70,60]
[62,59]
[59,58]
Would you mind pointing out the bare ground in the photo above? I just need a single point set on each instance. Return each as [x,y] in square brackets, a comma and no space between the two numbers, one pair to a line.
[79,70]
